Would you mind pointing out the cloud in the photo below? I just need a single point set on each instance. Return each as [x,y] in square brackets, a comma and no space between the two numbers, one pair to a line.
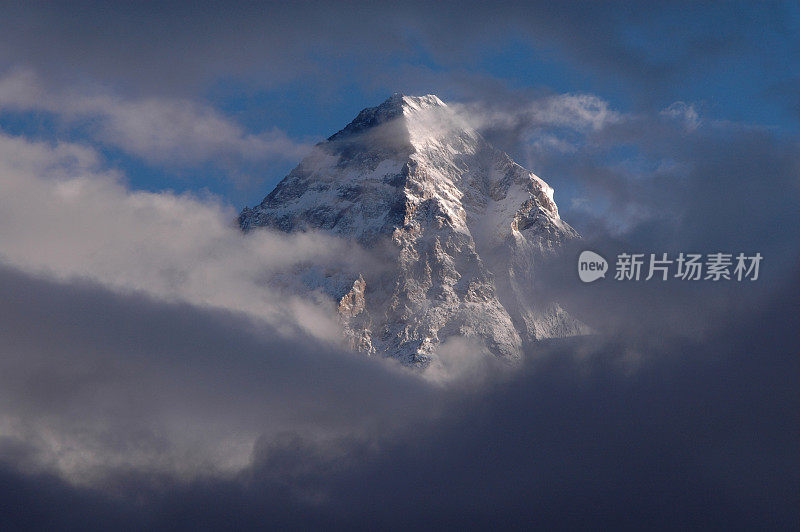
[64,215]
[95,381]
[651,49]
[702,434]
[149,365]
[143,331]
[685,112]
[517,119]
[668,175]
[173,132]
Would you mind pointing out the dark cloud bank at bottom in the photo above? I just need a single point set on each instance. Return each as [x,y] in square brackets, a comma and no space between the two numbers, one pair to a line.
[701,434]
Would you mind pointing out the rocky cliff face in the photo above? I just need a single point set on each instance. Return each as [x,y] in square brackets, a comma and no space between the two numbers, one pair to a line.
[459,224]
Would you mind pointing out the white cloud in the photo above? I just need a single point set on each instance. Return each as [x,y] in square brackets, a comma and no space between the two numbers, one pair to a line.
[579,112]
[683,112]
[61,213]
[169,131]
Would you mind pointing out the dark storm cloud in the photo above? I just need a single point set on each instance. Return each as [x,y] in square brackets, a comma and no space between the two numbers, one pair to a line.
[93,380]
[719,187]
[163,46]
[702,435]
[170,46]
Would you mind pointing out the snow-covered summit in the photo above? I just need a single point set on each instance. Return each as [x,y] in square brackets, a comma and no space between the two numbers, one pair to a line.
[396,106]
[464,224]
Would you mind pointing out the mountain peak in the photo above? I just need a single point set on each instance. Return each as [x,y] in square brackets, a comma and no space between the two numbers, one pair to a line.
[405,101]
[400,116]
[461,222]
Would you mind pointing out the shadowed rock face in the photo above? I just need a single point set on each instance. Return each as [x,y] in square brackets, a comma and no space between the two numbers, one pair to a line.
[459,224]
